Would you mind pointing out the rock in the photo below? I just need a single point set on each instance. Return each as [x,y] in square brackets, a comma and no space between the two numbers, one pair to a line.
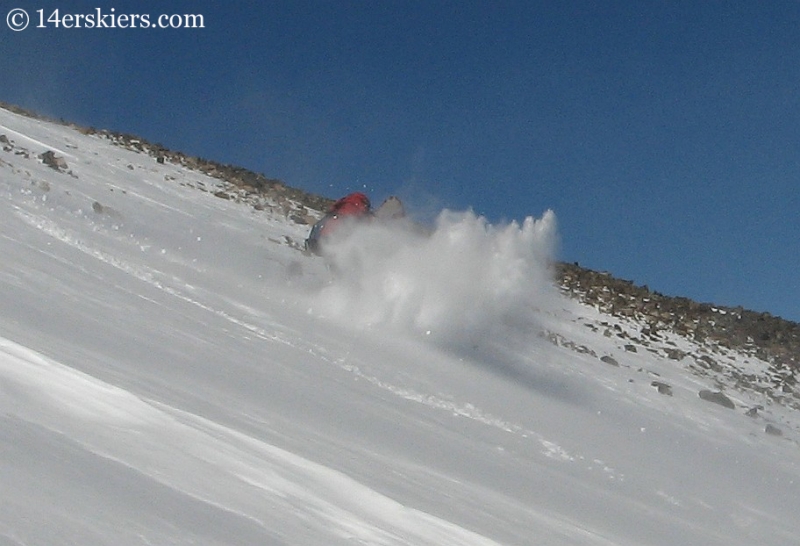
[631,348]
[708,363]
[674,354]
[54,161]
[298,219]
[772,430]
[717,398]
[663,388]
[609,360]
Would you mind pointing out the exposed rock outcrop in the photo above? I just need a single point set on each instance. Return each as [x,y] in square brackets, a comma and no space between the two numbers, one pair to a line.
[762,335]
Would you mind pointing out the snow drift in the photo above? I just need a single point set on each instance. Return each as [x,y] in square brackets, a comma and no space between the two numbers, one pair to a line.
[456,284]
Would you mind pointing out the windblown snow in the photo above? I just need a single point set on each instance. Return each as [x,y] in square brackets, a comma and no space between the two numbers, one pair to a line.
[173,372]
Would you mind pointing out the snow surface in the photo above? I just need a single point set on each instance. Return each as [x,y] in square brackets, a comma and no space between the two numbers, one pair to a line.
[171,372]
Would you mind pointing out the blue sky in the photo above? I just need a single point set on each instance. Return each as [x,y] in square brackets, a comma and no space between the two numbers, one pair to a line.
[665,135]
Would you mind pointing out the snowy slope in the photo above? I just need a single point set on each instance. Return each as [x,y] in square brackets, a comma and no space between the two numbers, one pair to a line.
[172,373]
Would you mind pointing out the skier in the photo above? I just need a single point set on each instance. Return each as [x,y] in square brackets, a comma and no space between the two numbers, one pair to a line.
[352,208]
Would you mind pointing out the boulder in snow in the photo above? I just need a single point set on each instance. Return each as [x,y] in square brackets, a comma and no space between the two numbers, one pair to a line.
[54,161]
[717,398]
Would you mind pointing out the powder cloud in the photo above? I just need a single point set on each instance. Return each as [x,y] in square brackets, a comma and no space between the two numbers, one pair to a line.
[461,281]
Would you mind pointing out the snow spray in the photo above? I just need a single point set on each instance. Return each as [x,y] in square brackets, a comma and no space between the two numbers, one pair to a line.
[456,283]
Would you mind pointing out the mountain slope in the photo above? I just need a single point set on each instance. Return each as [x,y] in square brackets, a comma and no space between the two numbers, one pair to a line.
[173,371]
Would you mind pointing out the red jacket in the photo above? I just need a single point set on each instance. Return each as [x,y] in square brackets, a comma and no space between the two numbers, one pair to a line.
[355,205]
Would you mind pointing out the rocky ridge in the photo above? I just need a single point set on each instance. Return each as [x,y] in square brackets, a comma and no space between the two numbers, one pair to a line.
[763,335]
[713,332]
[236,183]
